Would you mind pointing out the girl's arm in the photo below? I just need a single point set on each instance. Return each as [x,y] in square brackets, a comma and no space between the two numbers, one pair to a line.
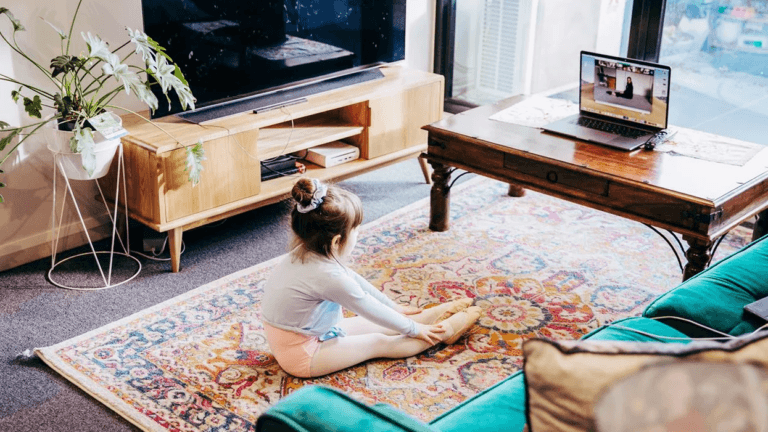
[372,290]
[347,292]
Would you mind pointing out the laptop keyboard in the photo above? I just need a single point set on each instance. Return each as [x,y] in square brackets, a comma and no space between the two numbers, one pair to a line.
[614,128]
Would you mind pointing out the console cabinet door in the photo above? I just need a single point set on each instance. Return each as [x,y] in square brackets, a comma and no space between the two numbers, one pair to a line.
[231,172]
[396,120]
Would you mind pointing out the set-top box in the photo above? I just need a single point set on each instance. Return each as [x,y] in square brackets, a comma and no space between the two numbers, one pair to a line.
[332,154]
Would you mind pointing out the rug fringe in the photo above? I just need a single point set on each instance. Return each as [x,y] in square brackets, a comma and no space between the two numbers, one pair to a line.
[27,356]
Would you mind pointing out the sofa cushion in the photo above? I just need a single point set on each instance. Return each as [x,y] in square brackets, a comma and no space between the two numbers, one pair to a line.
[317,408]
[716,297]
[686,396]
[565,379]
[500,408]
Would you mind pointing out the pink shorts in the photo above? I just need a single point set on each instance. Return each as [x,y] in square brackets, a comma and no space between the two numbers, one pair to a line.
[293,351]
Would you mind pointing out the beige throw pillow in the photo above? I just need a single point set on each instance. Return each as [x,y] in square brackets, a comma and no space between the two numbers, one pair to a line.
[565,379]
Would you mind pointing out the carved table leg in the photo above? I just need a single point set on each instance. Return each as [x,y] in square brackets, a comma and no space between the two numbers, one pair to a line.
[425,170]
[515,190]
[174,240]
[440,198]
[761,226]
[698,254]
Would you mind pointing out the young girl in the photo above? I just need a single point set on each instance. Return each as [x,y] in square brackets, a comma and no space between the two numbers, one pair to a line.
[304,296]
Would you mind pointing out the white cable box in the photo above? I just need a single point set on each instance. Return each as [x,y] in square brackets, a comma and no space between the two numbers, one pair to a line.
[332,154]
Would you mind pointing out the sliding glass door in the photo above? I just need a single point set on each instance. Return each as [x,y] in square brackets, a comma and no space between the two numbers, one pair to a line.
[492,49]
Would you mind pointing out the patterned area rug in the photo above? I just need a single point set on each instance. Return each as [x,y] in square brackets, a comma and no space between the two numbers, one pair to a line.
[538,266]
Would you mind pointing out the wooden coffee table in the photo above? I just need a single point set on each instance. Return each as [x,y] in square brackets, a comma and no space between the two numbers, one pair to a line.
[701,200]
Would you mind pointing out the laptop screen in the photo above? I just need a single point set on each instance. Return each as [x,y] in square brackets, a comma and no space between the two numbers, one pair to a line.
[623,88]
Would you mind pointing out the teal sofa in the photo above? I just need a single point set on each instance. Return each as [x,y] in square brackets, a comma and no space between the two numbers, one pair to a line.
[714,297]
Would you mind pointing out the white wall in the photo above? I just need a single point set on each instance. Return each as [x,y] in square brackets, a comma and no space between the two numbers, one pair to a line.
[420,34]
[25,217]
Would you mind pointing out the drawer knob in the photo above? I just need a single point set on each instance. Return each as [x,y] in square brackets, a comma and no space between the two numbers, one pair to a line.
[552,176]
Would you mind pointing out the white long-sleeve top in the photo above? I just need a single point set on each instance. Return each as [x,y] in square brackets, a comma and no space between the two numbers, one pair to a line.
[307,297]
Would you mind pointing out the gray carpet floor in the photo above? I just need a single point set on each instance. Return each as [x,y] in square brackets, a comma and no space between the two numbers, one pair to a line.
[34,313]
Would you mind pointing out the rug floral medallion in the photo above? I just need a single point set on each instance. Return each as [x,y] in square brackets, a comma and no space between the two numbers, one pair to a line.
[538,266]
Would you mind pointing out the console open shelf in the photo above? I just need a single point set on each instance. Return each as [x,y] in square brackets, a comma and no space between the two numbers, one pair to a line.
[284,138]
[383,118]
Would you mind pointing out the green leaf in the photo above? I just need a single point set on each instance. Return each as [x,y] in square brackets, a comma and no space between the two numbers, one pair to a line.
[15,94]
[195,158]
[3,125]
[83,143]
[160,50]
[2,184]
[65,64]
[34,106]
[63,105]
[8,138]
[1,199]
[179,75]
[16,23]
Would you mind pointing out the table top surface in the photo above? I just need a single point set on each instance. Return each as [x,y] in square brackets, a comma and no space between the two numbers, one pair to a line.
[696,178]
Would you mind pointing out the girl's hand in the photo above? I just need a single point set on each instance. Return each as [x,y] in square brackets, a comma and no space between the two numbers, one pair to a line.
[408,310]
[430,333]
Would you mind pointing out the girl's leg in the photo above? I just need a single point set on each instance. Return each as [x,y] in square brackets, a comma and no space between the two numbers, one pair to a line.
[359,325]
[342,352]
[441,311]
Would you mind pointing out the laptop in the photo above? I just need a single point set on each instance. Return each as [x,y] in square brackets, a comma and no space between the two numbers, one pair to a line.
[623,102]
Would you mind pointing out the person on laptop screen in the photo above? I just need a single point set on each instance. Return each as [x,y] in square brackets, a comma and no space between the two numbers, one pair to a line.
[627,93]
[622,102]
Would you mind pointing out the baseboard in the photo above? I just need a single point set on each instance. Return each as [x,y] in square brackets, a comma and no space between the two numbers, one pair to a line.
[38,245]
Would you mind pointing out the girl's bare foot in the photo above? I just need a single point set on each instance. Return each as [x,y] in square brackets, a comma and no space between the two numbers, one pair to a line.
[447,309]
[456,325]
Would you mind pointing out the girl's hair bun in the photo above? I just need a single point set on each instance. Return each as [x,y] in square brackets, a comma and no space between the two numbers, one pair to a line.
[303,190]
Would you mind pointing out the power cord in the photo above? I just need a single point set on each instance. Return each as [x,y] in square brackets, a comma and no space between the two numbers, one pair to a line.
[155,256]
[262,163]
[723,338]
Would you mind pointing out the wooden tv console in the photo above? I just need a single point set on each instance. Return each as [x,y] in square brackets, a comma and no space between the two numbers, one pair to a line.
[383,118]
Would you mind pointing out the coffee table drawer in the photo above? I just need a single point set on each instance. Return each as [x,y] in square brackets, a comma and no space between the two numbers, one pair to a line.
[549,175]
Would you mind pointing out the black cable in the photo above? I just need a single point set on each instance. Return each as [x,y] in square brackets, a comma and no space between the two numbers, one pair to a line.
[458,177]
[717,243]
[682,248]
[679,262]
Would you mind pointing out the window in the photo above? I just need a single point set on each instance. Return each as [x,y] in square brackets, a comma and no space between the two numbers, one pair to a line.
[500,48]
[718,51]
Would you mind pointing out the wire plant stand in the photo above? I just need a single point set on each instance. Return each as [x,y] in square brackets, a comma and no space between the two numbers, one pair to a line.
[57,223]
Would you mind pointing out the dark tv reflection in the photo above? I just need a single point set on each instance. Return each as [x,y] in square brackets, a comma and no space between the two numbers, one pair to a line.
[233,48]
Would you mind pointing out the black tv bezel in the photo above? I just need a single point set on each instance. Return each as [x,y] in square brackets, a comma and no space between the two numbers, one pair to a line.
[222,104]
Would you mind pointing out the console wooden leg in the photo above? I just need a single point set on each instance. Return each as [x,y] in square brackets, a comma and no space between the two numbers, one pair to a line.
[425,170]
[515,190]
[174,240]
[761,225]
[698,255]
[440,198]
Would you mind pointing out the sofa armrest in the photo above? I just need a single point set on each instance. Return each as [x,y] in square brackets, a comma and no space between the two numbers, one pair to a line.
[317,408]
[716,297]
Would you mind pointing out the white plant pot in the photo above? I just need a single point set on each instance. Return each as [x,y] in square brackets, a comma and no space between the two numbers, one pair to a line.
[72,163]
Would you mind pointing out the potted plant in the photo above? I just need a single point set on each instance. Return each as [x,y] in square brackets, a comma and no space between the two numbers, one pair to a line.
[81,91]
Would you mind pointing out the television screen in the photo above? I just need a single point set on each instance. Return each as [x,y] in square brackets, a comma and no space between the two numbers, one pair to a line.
[229,49]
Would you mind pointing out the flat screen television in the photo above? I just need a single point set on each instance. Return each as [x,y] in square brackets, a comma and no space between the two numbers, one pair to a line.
[234,50]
